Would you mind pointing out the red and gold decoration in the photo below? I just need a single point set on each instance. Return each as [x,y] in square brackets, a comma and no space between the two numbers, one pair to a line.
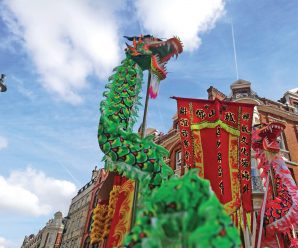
[216,139]
[111,209]
[279,211]
[121,221]
[102,217]
[97,230]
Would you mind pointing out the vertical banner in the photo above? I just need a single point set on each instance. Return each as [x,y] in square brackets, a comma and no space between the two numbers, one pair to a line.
[216,139]
[245,155]
[121,221]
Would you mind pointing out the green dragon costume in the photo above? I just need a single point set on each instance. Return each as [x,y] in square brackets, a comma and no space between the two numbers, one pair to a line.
[183,212]
[125,151]
[185,208]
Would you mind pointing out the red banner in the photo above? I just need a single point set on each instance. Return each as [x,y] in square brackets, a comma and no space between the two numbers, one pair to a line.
[123,212]
[216,139]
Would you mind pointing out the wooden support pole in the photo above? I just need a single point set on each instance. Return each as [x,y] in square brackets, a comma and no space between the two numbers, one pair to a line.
[263,212]
[143,133]
[274,195]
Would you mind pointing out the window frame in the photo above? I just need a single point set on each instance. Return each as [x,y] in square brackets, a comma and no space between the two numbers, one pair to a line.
[178,160]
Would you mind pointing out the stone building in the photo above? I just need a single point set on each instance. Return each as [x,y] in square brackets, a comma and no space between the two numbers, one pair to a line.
[99,194]
[284,111]
[47,237]
[77,215]
[32,241]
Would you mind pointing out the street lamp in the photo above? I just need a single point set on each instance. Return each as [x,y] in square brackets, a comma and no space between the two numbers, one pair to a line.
[3,87]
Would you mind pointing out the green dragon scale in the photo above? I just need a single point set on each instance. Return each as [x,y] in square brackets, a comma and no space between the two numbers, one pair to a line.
[171,207]
[183,212]
[125,151]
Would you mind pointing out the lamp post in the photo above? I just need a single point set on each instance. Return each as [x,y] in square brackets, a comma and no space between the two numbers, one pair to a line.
[3,87]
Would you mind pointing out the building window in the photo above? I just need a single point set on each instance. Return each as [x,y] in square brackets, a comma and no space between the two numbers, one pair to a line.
[177,126]
[95,199]
[51,240]
[79,222]
[254,167]
[87,242]
[90,223]
[256,181]
[281,141]
[47,237]
[178,159]
[296,107]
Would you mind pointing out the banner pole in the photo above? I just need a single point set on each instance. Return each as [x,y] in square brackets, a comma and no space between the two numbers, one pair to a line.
[143,133]
[274,195]
[263,212]
[143,129]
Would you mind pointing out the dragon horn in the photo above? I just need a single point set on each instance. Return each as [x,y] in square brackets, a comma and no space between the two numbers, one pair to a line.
[128,46]
[134,42]
[130,38]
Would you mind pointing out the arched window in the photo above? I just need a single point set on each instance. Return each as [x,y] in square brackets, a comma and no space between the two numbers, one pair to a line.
[47,237]
[95,199]
[87,242]
[281,140]
[178,159]
[176,126]
[95,245]
[90,223]
[296,106]
[256,181]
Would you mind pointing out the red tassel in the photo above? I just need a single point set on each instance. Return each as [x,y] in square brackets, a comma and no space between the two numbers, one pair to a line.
[236,219]
[244,219]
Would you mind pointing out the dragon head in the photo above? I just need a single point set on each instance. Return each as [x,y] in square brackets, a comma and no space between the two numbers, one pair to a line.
[152,54]
[267,137]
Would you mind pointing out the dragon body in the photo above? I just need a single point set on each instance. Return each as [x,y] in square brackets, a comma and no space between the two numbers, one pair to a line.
[127,152]
[183,212]
[281,210]
[141,159]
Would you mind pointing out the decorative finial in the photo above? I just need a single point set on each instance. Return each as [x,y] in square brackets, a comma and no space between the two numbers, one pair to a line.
[3,87]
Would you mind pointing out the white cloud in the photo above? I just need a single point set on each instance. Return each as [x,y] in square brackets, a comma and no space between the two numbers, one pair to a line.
[184,18]
[31,192]
[72,39]
[3,143]
[4,243]
[68,40]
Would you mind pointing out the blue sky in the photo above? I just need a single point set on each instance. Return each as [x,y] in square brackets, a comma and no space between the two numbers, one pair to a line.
[58,55]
